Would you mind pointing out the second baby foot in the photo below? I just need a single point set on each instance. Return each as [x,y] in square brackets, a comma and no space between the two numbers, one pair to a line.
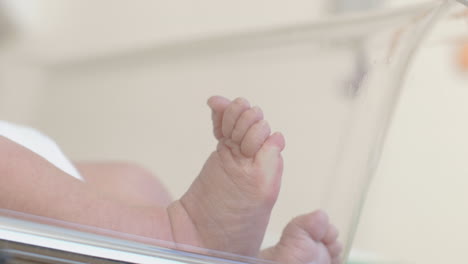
[308,238]
[228,206]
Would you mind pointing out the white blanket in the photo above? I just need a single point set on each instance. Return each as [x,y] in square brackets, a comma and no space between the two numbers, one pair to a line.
[40,144]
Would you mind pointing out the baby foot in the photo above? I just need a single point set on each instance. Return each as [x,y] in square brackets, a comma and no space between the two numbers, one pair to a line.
[228,206]
[308,239]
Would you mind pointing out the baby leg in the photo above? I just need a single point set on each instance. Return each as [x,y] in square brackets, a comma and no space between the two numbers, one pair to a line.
[125,182]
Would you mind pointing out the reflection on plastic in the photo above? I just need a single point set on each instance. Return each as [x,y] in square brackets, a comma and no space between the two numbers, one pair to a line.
[79,240]
[344,75]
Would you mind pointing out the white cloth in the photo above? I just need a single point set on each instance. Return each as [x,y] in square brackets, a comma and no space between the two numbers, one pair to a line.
[39,144]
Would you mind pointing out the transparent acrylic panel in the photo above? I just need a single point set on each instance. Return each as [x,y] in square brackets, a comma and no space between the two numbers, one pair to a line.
[330,87]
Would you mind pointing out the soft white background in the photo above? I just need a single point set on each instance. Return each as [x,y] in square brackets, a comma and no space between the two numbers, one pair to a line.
[417,208]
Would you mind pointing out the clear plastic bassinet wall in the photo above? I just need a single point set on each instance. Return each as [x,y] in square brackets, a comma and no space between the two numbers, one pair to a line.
[329,87]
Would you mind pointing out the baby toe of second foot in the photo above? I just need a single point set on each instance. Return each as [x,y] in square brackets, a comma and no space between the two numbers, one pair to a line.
[335,249]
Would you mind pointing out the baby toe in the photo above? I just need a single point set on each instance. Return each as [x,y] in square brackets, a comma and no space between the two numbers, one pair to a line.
[232,114]
[246,120]
[254,138]
[331,235]
[336,260]
[299,251]
[218,105]
[315,224]
[335,249]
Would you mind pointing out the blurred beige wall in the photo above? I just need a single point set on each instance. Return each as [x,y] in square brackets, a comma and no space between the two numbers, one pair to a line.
[67,29]
[418,197]
[20,85]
